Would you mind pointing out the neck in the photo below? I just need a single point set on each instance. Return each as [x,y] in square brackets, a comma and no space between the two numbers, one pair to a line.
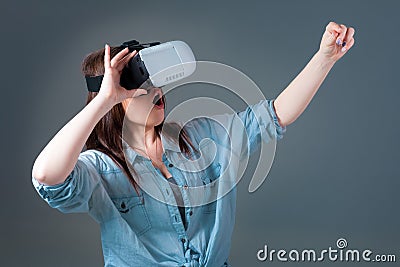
[140,136]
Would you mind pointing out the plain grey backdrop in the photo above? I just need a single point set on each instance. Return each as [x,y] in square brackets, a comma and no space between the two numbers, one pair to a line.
[335,172]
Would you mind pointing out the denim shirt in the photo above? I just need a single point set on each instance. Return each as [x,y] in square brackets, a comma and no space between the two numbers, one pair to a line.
[139,229]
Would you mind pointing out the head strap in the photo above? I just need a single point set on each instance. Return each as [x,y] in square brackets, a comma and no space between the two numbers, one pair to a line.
[135,45]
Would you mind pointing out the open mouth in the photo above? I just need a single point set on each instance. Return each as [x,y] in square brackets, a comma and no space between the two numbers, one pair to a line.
[158,101]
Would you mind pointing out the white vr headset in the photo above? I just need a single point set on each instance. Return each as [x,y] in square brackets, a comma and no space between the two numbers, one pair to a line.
[155,65]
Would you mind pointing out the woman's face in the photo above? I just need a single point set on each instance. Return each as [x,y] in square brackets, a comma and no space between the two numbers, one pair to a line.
[144,109]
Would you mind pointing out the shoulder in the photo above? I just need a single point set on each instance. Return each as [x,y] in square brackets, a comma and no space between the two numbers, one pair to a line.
[203,125]
[100,160]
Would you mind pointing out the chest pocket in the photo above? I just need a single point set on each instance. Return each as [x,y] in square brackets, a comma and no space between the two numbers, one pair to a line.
[134,213]
[208,175]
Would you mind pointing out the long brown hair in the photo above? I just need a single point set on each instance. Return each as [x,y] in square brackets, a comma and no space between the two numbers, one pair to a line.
[107,134]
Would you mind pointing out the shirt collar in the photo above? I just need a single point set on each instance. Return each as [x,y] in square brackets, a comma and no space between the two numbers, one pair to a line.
[168,144]
[130,154]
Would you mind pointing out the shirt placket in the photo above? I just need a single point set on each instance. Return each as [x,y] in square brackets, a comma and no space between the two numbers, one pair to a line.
[191,256]
[183,190]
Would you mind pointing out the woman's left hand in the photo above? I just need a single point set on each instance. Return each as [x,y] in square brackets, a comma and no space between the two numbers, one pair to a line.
[336,41]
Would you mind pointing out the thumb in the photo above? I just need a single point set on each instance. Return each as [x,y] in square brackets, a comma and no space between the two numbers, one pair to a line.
[331,38]
[138,92]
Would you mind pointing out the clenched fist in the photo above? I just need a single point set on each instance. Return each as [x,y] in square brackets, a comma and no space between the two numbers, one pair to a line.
[336,40]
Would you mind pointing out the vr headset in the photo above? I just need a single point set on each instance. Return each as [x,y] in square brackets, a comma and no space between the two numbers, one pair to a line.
[155,65]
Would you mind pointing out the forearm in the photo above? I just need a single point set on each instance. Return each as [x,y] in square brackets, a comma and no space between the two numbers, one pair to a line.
[58,158]
[293,100]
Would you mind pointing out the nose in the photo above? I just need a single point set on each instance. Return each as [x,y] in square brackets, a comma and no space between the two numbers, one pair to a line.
[157,94]
[158,91]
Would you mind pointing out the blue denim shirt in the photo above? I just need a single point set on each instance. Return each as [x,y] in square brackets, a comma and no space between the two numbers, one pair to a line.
[141,230]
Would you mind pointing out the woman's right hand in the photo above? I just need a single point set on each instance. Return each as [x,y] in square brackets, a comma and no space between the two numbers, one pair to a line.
[110,89]
[58,159]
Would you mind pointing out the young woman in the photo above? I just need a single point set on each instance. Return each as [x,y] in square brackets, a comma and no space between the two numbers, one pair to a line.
[128,144]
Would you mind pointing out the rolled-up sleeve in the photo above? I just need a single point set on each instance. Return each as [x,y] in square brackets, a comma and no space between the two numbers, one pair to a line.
[280,130]
[73,195]
[261,123]
[260,117]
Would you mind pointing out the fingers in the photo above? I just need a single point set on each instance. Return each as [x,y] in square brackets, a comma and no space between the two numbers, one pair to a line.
[342,34]
[136,92]
[107,57]
[338,31]
[330,36]
[349,44]
[129,56]
[118,57]
[333,27]
[140,91]
[122,63]
[119,60]
[348,38]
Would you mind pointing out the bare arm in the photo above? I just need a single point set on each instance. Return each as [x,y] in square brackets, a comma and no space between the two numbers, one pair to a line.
[58,158]
[60,155]
[292,101]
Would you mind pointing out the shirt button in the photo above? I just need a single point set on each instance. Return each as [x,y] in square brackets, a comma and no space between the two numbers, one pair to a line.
[190,213]
[185,186]
[123,205]
[170,165]
[183,240]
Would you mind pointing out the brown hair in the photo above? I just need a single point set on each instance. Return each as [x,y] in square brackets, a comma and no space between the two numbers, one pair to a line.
[106,136]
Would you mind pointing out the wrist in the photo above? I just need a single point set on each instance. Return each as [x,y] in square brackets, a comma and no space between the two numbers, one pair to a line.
[106,103]
[324,60]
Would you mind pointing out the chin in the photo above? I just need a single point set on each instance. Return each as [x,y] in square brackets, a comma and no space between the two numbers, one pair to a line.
[153,122]
[158,122]
[156,118]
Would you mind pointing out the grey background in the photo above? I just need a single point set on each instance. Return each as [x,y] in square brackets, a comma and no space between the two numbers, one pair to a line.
[336,170]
